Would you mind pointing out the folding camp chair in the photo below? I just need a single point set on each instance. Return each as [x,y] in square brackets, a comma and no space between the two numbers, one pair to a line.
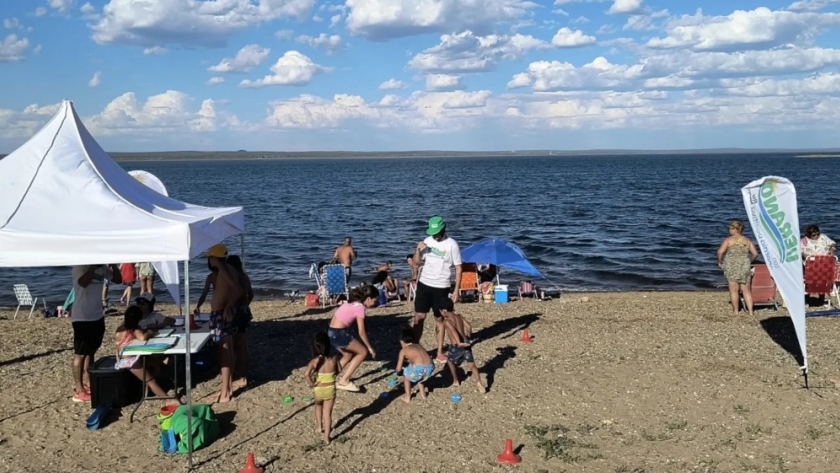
[835,291]
[335,281]
[762,287]
[469,280]
[24,298]
[527,288]
[820,273]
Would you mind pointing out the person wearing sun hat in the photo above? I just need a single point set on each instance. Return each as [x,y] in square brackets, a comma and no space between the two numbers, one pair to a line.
[222,327]
[438,253]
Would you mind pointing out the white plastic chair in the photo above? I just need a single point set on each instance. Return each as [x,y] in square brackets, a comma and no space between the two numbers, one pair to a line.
[25,298]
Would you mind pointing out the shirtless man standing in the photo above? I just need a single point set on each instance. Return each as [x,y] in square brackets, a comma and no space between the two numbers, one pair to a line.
[345,254]
[225,296]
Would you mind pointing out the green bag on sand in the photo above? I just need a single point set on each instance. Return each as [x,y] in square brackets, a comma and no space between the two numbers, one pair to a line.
[205,427]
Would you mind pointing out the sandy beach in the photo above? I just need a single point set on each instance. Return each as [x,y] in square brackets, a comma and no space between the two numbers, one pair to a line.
[613,382]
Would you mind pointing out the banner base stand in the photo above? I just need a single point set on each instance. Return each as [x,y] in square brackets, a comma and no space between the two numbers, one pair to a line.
[805,374]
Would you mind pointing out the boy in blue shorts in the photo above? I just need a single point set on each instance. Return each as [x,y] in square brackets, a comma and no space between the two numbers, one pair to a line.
[420,366]
[459,331]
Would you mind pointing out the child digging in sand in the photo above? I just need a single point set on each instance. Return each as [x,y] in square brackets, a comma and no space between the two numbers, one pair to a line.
[320,376]
[419,367]
[459,331]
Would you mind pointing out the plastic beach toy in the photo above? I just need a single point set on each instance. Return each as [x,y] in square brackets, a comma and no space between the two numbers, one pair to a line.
[455,398]
[384,395]
[288,399]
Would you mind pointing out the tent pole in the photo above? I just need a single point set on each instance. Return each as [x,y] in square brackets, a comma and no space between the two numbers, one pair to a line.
[188,362]
[805,373]
[242,244]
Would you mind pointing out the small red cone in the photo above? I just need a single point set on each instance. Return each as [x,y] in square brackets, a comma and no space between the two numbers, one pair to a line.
[508,456]
[250,466]
[526,337]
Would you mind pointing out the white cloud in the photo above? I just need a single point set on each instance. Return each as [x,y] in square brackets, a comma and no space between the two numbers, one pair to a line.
[216,80]
[466,52]
[188,22]
[62,6]
[40,11]
[811,5]
[247,58]
[94,81]
[392,84]
[381,20]
[11,23]
[317,19]
[625,6]
[566,38]
[13,48]
[293,68]
[580,20]
[166,112]
[443,82]
[819,84]
[761,28]
[332,43]
[155,50]
[87,9]
[544,76]
[335,19]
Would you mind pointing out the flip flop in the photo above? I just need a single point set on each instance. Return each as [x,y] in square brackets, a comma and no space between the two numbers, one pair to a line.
[347,387]
[308,399]
[455,398]
[288,400]
[392,382]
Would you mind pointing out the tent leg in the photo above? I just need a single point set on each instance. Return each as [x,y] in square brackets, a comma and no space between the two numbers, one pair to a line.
[188,367]
[805,374]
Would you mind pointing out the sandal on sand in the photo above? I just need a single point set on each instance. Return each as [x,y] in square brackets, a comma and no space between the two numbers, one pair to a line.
[347,387]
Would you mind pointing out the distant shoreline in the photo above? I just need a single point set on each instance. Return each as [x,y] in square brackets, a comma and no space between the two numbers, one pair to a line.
[818,156]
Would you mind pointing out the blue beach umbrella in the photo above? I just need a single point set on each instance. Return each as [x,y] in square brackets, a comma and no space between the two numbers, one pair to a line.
[501,253]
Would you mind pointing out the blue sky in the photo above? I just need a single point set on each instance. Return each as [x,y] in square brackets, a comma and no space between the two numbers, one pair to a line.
[286,75]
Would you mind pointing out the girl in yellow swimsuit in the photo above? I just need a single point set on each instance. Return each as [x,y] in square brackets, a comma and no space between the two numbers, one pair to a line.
[320,376]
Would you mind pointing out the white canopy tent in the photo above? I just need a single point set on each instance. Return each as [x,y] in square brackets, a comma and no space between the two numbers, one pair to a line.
[66,202]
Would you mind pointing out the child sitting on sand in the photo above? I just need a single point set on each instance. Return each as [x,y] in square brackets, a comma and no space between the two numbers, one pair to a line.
[419,367]
[459,332]
[126,333]
[324,367]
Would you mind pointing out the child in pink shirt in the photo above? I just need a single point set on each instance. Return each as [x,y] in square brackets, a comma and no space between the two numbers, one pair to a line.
[353,352]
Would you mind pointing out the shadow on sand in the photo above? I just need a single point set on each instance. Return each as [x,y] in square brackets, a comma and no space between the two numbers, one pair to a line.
[781,331]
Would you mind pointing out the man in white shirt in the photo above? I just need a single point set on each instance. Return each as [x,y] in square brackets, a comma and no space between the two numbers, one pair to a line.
[438,254]
[88,321]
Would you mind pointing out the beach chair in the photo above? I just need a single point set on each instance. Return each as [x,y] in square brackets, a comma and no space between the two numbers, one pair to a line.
[335,282]
[763,287]
[820,273]
[835,291]
[527,288]
[469,281]
[24,298]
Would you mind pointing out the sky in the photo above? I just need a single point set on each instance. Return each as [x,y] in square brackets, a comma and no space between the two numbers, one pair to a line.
[382,75]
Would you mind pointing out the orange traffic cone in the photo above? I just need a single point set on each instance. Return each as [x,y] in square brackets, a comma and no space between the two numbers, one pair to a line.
[508,456]
[250,466]
[526,337]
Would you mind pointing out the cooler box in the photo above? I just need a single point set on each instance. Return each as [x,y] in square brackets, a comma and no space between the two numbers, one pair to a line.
[501,294]
[108,385]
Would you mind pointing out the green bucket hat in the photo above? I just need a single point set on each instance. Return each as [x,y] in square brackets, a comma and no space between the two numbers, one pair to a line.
[436,225]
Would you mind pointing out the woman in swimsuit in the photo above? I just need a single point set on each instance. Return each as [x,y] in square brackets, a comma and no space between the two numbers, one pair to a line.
[735,257]
[324,367]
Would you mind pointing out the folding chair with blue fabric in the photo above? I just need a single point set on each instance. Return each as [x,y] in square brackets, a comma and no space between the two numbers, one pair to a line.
[335,281]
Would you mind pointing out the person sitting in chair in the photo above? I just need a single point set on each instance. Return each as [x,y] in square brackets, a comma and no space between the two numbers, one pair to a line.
[384,280]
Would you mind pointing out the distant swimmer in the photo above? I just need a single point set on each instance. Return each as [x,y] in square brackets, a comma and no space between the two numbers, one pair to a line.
[346,254]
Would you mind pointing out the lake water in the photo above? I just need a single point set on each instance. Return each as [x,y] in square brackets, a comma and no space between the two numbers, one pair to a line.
[589,223]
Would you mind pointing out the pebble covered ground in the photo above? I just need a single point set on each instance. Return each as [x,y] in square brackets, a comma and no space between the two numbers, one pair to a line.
[612,382]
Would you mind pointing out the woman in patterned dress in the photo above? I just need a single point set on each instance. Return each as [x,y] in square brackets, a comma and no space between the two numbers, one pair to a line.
[735,257]
[815,243]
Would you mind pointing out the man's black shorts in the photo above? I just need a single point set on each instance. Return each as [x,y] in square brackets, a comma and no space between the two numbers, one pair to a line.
[431,298]
[87,337]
